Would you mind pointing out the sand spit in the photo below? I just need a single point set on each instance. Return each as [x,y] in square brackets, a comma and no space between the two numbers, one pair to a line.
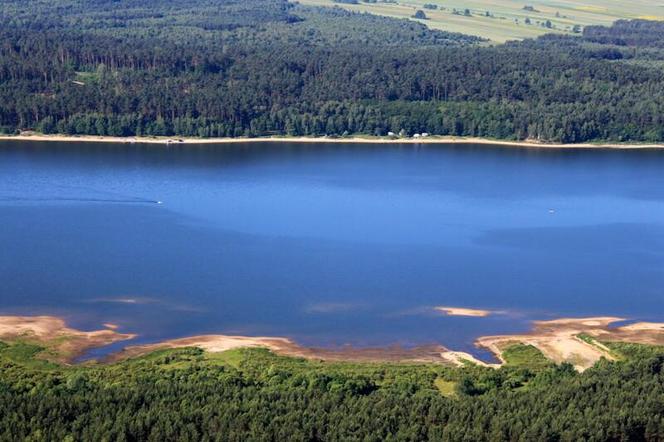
[63,344]
[460,311]
[286,347]
[559,339]
[29,136]
[460,358]
[211,343]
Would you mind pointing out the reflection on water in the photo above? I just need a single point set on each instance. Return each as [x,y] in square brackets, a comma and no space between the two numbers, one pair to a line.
[328,244]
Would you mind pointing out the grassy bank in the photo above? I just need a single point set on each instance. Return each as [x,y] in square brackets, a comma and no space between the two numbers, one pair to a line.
[252,394]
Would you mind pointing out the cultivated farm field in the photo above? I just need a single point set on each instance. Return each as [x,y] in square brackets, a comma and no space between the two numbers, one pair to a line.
[503,20]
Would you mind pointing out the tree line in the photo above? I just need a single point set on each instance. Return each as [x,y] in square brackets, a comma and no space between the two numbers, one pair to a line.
[247,395]
[266,67]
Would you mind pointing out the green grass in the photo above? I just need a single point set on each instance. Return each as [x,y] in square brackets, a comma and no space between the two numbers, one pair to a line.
[265,365]
[25,353]
[506,20]
[446,388]
[231,358]
[586,338]
[626,350]
[527,356]
[600,345]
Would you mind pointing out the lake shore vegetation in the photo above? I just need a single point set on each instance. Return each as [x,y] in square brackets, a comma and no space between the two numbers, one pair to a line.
[268,67]
[252,394]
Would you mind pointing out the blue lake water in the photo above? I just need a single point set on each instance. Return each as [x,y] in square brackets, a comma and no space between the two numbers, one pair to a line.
[328,244]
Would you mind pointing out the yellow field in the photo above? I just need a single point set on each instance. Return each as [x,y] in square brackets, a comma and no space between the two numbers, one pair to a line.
[506,19]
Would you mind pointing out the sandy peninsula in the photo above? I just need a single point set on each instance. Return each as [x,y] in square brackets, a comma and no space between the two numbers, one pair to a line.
[63,344]
[561,340]
[31,136]
[287,347]
[461,311]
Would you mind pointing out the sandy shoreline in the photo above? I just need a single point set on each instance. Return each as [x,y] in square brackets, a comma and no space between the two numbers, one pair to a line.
[287,347]
[557,340]
[571,340]
[364,140]
[576,340]
[63,344]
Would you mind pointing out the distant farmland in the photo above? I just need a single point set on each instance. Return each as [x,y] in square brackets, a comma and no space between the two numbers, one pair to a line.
[502,20]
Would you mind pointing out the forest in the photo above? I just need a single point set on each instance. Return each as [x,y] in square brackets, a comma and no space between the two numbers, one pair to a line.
[272,67]
[252,394]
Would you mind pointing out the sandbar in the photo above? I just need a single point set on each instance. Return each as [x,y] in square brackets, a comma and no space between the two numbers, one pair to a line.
[461,311]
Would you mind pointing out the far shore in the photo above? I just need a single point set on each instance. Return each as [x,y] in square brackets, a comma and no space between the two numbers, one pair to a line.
[301,139]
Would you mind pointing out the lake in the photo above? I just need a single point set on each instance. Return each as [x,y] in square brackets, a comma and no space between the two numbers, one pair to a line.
[329,244]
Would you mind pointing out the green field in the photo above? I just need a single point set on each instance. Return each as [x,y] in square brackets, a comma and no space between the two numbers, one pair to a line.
[522,355]
[502,20]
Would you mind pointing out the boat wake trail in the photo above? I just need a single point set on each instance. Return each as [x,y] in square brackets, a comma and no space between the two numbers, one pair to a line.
[59,192]
[79,199]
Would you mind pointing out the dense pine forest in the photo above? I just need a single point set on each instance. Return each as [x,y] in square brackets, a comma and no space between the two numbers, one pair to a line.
[210,68]
[246,395]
